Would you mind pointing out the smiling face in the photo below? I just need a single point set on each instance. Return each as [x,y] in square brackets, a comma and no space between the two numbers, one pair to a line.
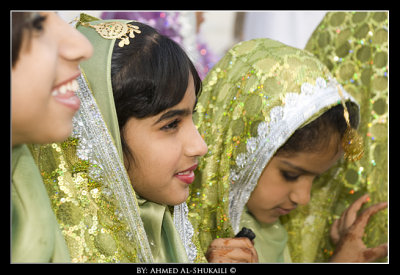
[165,149]
[287,179]
[43,81]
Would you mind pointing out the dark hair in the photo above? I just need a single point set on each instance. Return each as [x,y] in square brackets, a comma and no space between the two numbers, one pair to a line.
[313,136]
[23,24]
[149,75]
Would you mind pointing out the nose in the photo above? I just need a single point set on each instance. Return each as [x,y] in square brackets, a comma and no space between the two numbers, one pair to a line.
[73,47]
[195,145]
[301,192]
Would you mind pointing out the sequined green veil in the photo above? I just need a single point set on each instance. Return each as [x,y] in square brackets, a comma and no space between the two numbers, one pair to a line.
[252,101]
[354,46]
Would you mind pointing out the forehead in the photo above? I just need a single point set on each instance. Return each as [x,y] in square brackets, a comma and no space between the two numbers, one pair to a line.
[316,161]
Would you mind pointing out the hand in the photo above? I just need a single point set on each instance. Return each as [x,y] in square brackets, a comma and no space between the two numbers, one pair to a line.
[232,250]
[347,233]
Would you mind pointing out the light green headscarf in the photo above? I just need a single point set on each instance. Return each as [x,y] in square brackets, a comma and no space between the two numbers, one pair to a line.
[252,101]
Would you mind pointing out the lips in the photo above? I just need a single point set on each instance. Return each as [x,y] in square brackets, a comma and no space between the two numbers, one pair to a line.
[187,176]
[64,93]
[283,211]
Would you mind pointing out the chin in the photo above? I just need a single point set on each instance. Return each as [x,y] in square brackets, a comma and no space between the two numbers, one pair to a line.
[268,219]
[60,134]
[178,199]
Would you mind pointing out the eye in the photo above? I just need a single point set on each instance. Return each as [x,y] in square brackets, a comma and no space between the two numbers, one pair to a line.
[171,126]
[290,176]
[37,22]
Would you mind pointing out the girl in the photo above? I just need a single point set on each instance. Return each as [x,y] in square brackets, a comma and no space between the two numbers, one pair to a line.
[262,112]
[46,53]
[146,89]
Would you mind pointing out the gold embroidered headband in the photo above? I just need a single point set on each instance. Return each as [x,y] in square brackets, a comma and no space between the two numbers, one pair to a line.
[352,142]
[114,30]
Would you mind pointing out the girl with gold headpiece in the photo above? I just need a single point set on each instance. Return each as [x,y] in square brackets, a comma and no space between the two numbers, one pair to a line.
[274,120]
[46,53]
[136,132]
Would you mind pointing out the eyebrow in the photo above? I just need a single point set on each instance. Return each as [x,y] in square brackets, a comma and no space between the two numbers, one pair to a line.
[176,112]
[300,169]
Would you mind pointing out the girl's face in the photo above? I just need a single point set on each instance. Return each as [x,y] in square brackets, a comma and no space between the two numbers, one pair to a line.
[165,149]
[43,81]
[287,179]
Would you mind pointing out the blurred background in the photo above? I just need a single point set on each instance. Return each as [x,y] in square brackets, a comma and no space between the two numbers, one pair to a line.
[207,35]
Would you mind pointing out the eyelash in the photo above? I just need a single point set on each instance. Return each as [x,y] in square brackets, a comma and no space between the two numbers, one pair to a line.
[171,126]
[288,177]
[37,22]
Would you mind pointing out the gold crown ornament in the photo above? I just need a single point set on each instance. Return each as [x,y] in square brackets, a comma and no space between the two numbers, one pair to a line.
[112,30]
[352,142]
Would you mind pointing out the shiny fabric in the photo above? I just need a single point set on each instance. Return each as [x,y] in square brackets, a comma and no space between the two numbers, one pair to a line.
[253,100]
[165,243]
[272,236]
[35,236]
[354,46]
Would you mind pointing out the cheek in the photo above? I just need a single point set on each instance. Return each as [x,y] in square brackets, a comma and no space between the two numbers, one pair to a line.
[270,191]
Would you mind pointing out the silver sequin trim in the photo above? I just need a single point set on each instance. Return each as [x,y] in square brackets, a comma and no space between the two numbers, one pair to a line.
[96,145]
[185,230]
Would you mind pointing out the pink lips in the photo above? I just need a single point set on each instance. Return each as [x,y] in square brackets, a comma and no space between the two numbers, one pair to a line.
[187,176]
[283,211]
[64,93]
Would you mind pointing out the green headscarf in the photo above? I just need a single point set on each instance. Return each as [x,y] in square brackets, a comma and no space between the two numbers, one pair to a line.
[354,46]
[253,100]
[166,234]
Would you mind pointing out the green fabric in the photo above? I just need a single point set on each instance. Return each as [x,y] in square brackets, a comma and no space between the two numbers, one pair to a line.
[97,71]
[163,238]
[270,241]
[354,46]
[165,243]
[36,237]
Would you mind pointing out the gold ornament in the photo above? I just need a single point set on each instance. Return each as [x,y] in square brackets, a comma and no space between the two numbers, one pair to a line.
[114,30]
[352,142]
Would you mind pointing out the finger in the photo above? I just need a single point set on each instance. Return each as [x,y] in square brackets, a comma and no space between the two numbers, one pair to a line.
[232,242]
[363,219]
[353,209]
[373,254]
[335,232]
[229,255]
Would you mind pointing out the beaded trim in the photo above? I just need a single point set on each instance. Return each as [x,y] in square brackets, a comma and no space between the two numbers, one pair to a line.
[284,121]
[96,144]
[185,230]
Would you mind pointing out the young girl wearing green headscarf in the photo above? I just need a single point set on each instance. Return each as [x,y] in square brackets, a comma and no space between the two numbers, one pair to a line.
[136,132]
[273,118]
[46,53]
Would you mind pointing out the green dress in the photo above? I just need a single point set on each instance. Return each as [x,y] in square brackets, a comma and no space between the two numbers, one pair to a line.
[36,237]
